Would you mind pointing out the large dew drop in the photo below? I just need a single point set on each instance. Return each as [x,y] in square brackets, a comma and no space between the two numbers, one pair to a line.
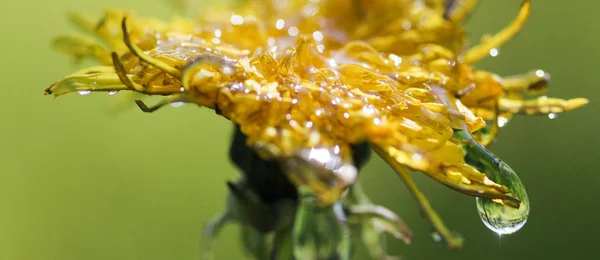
[503,219]
[498,217]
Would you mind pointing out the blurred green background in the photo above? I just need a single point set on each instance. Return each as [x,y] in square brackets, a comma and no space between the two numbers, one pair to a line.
[77,182]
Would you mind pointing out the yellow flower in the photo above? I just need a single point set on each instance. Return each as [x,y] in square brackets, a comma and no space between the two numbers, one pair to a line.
[308,79]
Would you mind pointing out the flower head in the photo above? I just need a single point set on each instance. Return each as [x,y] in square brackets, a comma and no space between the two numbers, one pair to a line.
[306,81]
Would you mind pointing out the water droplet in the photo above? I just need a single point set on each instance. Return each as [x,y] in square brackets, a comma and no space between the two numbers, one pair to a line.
[494,52]
[502,121]
[293,31]
[416,157]
[436,237]
[114,92]
[177,104]
[552,115]
[84,92]
[280,24]
[237,19]
[320,48]
[498,217]
[540,73]
[331,63]
[502,219]
[336,149]
[318,36]
[227,70]
[310,10]
[396,59]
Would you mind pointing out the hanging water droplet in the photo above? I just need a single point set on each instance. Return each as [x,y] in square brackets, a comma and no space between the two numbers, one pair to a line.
[84,92]
[436,237]
[177,104]
[498,217]
[552,115]
[502,121]
[114,92]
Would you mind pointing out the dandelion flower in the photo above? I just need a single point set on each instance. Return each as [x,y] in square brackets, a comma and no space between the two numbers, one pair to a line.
[312,86]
